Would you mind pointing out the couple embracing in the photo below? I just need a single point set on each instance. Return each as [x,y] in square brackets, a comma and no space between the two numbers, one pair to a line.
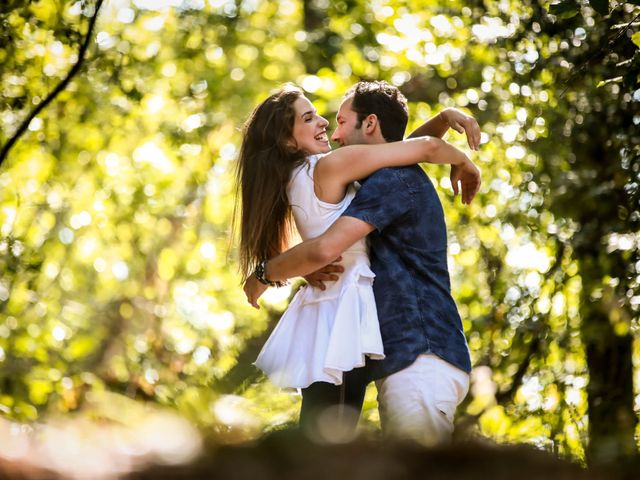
[378,305]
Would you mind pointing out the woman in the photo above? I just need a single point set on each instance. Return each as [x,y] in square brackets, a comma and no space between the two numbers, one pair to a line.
[285,168]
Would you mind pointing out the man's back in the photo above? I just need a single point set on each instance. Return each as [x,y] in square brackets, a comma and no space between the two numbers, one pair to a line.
[408,252]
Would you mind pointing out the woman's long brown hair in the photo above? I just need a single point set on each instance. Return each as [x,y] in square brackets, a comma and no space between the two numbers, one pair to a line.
[267,158]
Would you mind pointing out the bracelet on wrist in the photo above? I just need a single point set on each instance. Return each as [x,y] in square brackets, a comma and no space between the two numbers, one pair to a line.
[260,273]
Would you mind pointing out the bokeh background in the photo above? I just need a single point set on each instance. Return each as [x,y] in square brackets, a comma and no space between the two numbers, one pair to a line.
[118,276]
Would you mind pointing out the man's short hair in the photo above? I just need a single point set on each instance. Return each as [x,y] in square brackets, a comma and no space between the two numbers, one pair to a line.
[386,102]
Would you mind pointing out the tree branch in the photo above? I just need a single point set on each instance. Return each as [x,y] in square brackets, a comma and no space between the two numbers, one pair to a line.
[464,424]
[59,88]
[603,50]
[508,394]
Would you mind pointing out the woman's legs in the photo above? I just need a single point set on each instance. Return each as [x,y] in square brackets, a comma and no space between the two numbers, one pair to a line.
[328,408]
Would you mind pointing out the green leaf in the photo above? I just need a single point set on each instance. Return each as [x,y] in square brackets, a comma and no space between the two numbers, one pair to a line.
[565,9]
[635,38]
[80,346]
[600,6]
[39,391]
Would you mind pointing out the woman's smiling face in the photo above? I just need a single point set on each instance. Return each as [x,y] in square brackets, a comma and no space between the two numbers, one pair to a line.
[309,128]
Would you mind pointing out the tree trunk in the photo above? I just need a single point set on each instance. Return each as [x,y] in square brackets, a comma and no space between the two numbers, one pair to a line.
[321,43]
[610,395]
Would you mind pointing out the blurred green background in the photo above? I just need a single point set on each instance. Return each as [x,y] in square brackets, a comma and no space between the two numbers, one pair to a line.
[118,271]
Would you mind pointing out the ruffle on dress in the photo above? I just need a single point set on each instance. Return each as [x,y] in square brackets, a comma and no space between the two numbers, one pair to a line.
[325,333]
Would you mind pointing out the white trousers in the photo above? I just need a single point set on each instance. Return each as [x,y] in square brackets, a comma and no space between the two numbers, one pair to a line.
[419,402]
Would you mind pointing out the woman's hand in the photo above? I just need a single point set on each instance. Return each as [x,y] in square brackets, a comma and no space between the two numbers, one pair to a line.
[463,123]
[468,175]
[325,274]
[254,289]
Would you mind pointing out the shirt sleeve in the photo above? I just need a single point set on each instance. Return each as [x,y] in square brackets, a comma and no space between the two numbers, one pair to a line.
[382,199]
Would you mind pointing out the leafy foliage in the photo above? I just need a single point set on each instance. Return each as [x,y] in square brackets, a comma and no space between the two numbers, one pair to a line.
[118,271]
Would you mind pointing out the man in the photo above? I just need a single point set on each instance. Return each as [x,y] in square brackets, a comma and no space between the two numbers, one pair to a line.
[425,373]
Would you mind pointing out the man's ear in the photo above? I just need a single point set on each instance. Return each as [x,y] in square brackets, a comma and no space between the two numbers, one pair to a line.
[370,123]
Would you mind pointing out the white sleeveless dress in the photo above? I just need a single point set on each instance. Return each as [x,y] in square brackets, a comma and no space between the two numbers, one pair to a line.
[323,333]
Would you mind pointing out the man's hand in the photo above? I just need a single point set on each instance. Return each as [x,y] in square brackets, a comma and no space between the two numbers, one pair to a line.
[254,289]
[463,123]
[325,274]
[468,175]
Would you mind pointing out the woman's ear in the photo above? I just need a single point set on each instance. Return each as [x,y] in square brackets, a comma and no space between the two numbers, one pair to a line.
[370,123]
[292,144]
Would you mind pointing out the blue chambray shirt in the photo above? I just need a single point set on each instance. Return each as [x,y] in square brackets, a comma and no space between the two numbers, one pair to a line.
[408,252]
